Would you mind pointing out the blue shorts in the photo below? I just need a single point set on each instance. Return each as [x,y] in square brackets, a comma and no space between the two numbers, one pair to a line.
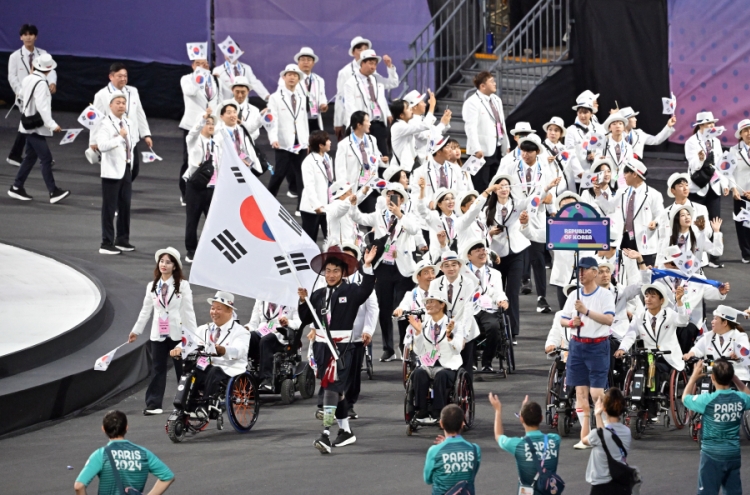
[588,364]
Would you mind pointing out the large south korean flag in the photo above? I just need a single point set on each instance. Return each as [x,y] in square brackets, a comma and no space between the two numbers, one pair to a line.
[250,244]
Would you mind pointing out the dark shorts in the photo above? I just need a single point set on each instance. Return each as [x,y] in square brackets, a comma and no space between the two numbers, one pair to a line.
[322,355]
[588,364]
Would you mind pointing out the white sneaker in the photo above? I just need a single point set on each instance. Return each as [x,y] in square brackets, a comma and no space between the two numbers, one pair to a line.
[297,214]
[152,412]
[182,202]
[290,194]
[581,446]
[13,162]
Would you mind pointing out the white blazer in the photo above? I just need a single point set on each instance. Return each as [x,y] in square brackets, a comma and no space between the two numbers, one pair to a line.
[113,146]
[574,137]
[179,310]
[430,171]
[610,151]
[341,118]
[437,222]
[510,240]
[710,345]
[196,101]
[40,101]
[489,287]
[462,307]
[235,338]
[649,204]
[638,139]
[316,96]
[403,140]
[19,68]
[199,147]
[665,336]
[315,179]
[250,117]
[405,229]
[449,351]
[133,109]
[692,147]
[290,120]
[341,227]
[246,143]
[350,164]
[357,97]
[741,174]
[263,315]
[225,73]
[480,125]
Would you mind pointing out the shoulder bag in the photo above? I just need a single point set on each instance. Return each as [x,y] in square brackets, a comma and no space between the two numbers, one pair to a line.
[545,482]
[31,122]
[619,471]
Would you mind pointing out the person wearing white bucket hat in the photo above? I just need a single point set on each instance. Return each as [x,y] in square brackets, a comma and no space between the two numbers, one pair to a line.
[365,91]
[341,227]
[406,127]
[318,177]
[311,87]
[741,189]
[37,107]
[356,46]
[520,131]
[582,129]
[703,154]
[560,161]
[724,339]
[638,138]
[413,300]
[20,65]
[439,171]
[169,300]
[616,147]
[289,136]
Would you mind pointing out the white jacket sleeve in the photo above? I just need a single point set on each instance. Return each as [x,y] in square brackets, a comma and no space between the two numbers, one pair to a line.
[13,62]
[372,311]
[187,312]
[146,311]
[470,114]
[254,322]
[663,135]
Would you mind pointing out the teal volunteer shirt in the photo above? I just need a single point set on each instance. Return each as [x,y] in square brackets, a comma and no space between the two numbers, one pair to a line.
[722,412]
[525,461]
[449,462]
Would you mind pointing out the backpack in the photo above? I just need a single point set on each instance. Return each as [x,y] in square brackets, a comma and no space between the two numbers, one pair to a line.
[545,482]
[620,472]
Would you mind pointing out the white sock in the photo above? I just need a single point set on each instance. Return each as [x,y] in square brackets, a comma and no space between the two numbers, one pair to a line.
[344,424]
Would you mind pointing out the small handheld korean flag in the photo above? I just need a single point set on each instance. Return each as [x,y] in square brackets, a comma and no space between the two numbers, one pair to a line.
[590,178]
[90,117]
[714,132]
[296,148]
[742,352]
[534,203]
[687,263]
[742,216]
[200,77]
[150,156]
[70,135]
[197,51]
[594,143]
[472,165]
[230,49]
[669,105]
[268,120]
[189,342]
[728,163]
[103,362]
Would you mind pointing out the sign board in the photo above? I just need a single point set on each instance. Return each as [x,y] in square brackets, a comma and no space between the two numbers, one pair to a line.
[577,227]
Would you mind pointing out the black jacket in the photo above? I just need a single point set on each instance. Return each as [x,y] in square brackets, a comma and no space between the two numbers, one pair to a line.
[345,303]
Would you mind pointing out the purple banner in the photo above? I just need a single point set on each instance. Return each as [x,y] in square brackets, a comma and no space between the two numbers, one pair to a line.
[271,32]
[709,58]
[141,30]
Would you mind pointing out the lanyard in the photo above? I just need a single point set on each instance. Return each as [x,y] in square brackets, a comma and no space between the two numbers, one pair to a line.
[159,298]
[267,312]
[729,340]
[522,175]
[482,272]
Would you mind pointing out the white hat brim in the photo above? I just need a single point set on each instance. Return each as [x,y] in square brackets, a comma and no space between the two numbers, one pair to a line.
[171,252]
[301,54]
[362,41]
[562,129]
[662,289]
[739,129]
[436,268]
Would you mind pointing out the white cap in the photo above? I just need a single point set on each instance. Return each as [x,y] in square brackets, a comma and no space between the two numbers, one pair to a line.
[704,118]
[339,188]
[555,121]
[584,104]
[241,81]
[292,68]
[225,298]
[728,313]
[628,112]
[171,251]
[117,94]
[368,54]
[305,51]
[358,41]
[615,117]
[413,97]
[744,123]
[662,289]
[423,263]
[637,166]
[674,178]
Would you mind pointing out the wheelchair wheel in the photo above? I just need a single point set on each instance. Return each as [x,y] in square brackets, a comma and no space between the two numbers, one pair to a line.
[409,407]
[242,402]
[746,424]
[176,430]
[509,358]
[407,366]
[463,396]
[677,382]
[637,425]
[550,404]
[287,391]
[564,424]
[368,364]
[306,382]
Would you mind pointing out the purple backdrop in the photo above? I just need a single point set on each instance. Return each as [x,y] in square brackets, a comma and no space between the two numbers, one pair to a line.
[272,31]
[141,30]
[709,58]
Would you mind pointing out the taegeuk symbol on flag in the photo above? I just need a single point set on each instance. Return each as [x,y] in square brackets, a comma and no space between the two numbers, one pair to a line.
[197,51]
[90,117]
[230,49]
[70,135]
[150,156]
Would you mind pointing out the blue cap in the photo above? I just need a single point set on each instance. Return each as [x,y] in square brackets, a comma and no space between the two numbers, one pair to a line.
[588,262]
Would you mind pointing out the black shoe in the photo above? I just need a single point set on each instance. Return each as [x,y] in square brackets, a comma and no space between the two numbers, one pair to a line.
[19,193]
[387,356]
[189,256]
[266,385]
[344,438]
[124,246]
[353,414]
[526,287]
[323,444]
[542,306]
[109,249]
[319,414]
[58,195]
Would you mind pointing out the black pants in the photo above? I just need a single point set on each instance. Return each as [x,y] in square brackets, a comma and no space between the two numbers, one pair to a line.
[197,201]
[262,349]
[358,348]
[390,287]
[368,205]
[287,164]
[712,202]
[611,488]
[313,125]
[379,130]
[209,380]
[511,268]
[686,336]
[469,354]
[743,233]
[159,363]
[184,166]
[16,152]
[561,297]
[36,148]
[444,380]
[116,195]
[534,260]
[489,328]
[311,222]
[402,326]
[482,178]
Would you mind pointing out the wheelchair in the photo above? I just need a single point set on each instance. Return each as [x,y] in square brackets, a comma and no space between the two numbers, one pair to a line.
[504,352]
[368,362]
[238,397]
[290,372]
[462,395]
[560,409]
[409,358]
[648,396]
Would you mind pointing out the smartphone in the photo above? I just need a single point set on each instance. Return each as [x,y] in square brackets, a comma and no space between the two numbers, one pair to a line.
[394,199]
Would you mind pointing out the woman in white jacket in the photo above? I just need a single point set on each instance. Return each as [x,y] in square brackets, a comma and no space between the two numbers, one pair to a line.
[724,340]
[443,225]
[686,235]
[317,177]
[170,301]
[405,128]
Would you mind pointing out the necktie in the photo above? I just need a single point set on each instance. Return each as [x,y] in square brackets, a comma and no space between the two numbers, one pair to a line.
[617,151]
[373,98]
[209,147]
[681,241]
[443,177]
[218,334]
[629,138]
[425,294]
[127,143]
[630,213]
[504,213]
[528,178]
[271,308]
[209,90]
[498,120]
[450,293]
[435,332]
[653,323]
[237,144]
[449,221]
[721,340]
[164,289]
[294,102]
[329,173]
[392,226]
[605,194]
[365,161]
[31,59]
[237,70]
[478,273]
[676,283]
[308,83]
[709,146]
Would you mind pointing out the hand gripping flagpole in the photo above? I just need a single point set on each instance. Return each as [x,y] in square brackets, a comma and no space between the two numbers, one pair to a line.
[230,146]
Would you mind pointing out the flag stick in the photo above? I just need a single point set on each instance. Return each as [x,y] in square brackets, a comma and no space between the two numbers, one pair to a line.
[11,108]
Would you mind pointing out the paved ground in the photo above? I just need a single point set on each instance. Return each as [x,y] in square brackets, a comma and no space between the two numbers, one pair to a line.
[277,455]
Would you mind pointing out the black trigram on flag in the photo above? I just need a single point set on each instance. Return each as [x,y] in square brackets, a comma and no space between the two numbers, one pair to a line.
[238,174]
[291,222]
[229,247]
[300,263]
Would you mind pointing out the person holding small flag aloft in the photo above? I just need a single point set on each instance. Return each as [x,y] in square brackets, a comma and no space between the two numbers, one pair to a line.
[336,307]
